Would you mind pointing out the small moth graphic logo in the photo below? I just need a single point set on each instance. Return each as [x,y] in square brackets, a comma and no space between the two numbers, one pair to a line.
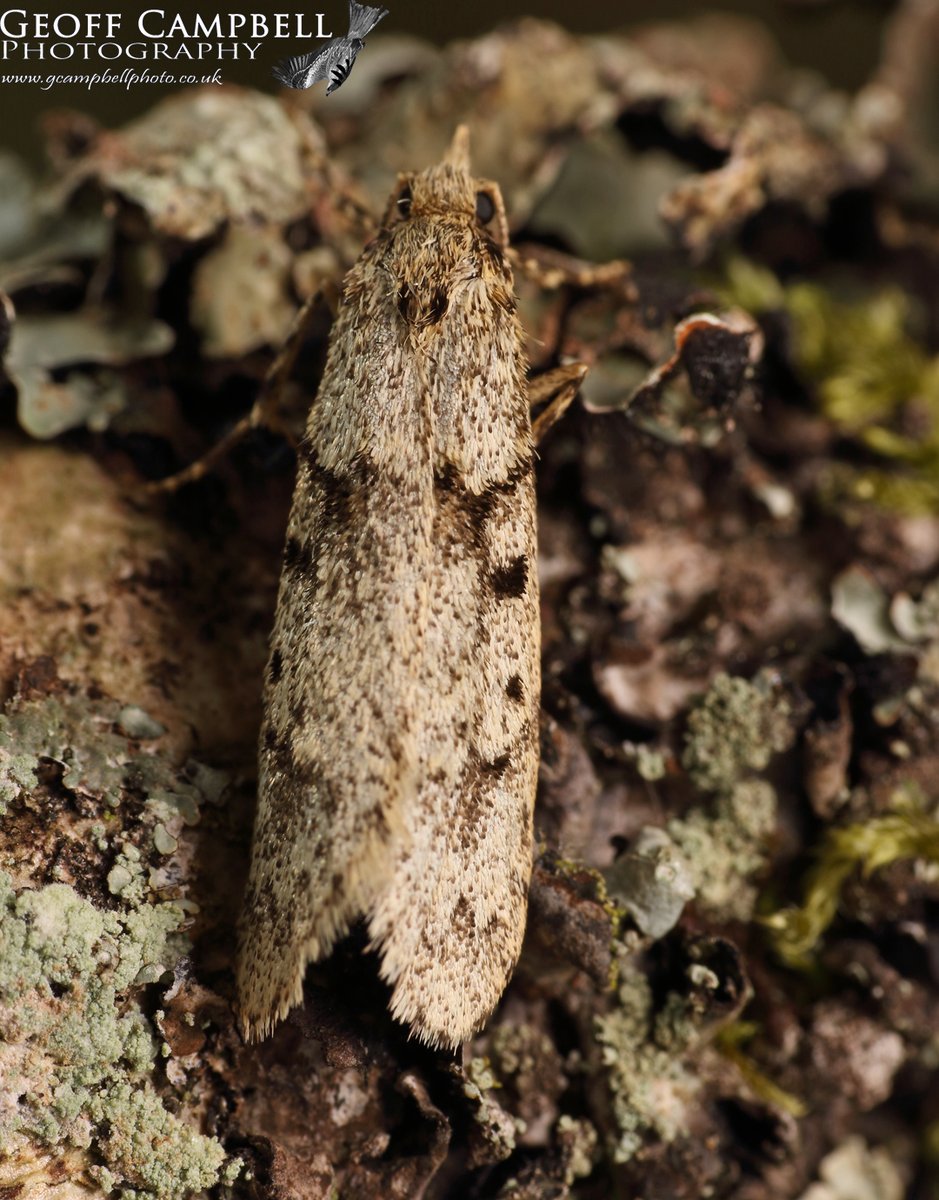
[336,59]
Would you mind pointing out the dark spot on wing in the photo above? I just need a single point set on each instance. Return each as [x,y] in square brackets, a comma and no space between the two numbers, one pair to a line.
[497,767]
[340,496]
[298,557]
[406,303]
[463,918]
[510,579]
[475,508]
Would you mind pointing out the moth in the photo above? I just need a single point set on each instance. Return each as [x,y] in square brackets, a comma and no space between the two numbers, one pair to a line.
[336,59]
[399,746]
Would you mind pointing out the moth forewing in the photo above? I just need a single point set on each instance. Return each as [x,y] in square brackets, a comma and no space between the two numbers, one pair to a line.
[398,753]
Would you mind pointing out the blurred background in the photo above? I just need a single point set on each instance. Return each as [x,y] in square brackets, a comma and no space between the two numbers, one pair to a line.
[839,40]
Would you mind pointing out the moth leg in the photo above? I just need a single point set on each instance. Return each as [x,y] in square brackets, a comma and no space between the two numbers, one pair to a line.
[552,269]
[555,390]
[264,410]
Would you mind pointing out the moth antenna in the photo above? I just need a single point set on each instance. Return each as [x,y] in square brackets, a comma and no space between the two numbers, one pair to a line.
[458,154]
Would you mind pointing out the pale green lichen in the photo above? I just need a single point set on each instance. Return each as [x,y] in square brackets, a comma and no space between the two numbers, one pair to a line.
[578,1139]
[651,1090]
[497,1127]
[726,846]
[72,731]
[128,877]
[734,730]
[232,1170]
[518,1049]
[17,773]
[89,741]
[906,832]
[183,803]
[76,1055]
[884,624]
[137,723]
[163,840]
[75,1059]
[856,1171]
[150,1147]
[650,763]
[481,1075]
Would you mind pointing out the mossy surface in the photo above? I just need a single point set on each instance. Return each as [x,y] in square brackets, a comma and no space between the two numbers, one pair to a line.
[907,832]
[868,375]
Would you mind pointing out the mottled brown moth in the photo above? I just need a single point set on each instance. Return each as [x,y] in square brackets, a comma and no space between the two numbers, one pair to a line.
[399,747]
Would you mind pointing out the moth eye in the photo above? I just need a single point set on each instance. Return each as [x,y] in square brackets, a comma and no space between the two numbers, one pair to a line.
[485,208]
[404,201]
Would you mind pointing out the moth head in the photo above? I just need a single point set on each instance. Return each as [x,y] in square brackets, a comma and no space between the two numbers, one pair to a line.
[450,189]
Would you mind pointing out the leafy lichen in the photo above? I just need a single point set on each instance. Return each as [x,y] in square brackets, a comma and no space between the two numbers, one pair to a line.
[127,878]
[652,882]
[72,731]
[578,1139]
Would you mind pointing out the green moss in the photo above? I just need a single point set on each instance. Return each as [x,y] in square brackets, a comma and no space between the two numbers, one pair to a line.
[75,1057]
[750,286]
[870,378]
[734,730]
[907,832]
[908,495]
[730,1042]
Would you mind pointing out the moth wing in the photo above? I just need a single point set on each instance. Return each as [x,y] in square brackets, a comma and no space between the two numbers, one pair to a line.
[451,923]
[399,751]
[337,756]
